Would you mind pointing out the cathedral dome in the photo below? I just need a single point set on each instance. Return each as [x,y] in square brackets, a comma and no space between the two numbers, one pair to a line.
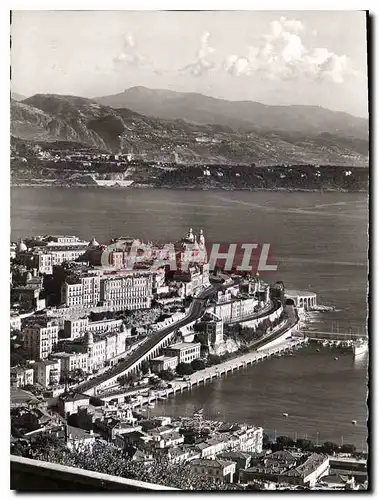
[94,243]
[89,338]
[21,247]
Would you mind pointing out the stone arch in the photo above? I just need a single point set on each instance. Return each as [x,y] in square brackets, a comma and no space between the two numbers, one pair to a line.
[290,302]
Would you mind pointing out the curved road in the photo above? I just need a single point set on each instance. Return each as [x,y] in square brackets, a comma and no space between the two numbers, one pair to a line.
[196,309]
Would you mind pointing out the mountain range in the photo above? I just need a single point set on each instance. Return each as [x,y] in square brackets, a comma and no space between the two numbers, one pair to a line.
[239,115]
[192,128]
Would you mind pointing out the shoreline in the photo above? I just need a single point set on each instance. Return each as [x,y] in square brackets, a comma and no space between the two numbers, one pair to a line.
[209,374]
[190,188]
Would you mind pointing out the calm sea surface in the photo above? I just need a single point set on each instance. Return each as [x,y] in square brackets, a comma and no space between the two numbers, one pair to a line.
[319,242]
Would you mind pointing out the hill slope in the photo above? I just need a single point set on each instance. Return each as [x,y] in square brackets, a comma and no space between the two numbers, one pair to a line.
[17,97]
[80,120]
[246,115]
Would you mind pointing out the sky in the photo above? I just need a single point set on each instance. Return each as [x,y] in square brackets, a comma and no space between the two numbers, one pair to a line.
[281,58]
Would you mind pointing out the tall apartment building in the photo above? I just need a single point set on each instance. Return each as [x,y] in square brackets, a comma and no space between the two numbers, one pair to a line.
[40,336]
[213,327]
[47,372]
[81,291]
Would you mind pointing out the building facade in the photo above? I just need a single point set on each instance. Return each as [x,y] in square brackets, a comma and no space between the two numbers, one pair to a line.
[163,363]
[185,352]
[40,337]
[81,291]
[20,377]
[218,470]
[72,361]
[76,328]
[133,291]
[47,372]
[117,291]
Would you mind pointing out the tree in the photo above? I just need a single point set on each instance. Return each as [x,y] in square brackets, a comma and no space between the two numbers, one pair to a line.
[284,441]
[198,364]
[330,448]
[145,367]
[244,349]
[213,359]
[304,444]
[166,375]
[128,379]
[184,369]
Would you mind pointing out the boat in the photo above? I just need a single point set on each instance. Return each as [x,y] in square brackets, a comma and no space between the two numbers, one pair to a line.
[354,422]
[285,415]
[335,359]
[360,347]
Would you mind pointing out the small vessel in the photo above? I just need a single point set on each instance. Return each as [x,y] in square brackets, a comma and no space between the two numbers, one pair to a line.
[285,415]
[317,350]
[354,422]
[360,347]
[335,359]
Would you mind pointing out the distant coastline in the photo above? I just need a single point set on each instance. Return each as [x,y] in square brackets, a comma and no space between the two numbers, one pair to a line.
[185,188]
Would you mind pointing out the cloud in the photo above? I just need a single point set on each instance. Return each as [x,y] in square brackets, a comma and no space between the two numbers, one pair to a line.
[204,62]
[129,55]
[281,55]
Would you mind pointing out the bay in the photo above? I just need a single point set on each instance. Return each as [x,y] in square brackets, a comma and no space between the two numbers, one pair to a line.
[318,240]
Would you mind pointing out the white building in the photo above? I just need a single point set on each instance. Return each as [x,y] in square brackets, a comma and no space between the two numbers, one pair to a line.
[115,291]
[131,291]
[76,328]
[80,291]
[250,439]
[161,363]
[21,376]
[72,361]
[102,348]
[185,351]
[47,372]
[235,308]
[40,336]
[15,322]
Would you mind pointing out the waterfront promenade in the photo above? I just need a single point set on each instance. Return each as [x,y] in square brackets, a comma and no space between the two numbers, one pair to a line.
[209,374]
